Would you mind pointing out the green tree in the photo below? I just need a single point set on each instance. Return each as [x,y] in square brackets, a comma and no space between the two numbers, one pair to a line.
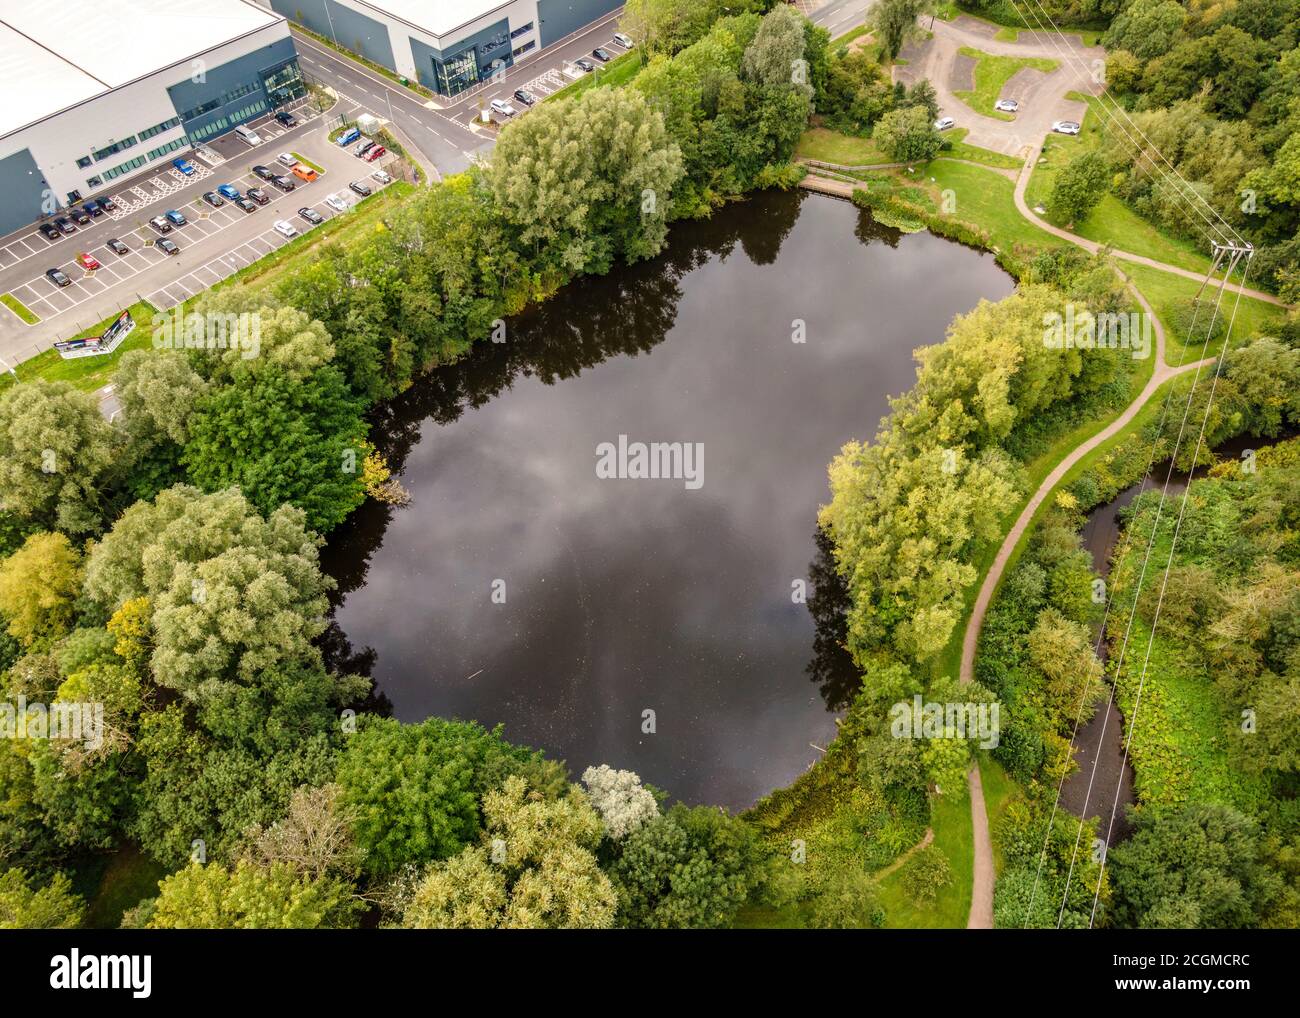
[1197,868]
[1079,187]
[250,897]
[585,182]
[894,22]
[1146,28]
[38,585]
[50,908]
[536,868]
[56,454]
[687,868]
[907,135]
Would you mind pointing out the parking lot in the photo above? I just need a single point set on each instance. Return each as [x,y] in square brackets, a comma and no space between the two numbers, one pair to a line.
[214,243]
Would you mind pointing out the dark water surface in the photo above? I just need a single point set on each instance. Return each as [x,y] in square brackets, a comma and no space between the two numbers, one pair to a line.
[630,595]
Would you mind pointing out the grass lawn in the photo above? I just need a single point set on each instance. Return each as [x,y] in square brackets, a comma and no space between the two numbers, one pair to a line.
[1000,790]
[991,75]
[88,373]
[1164,290]
[954,836]
[833,147]
[849,36]
[19,308]
[986,199]
[973,153]
[616,73]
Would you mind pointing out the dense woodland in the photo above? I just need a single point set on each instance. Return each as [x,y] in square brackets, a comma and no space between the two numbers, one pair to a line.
[168,566]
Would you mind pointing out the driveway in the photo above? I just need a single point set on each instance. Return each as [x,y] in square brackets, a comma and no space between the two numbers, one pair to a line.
[1042,96]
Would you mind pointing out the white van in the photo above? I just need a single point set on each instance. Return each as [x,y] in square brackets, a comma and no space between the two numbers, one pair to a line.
[248,134]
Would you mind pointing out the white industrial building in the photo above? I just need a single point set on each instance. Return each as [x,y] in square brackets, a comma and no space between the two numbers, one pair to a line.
[446,45]
[98,89]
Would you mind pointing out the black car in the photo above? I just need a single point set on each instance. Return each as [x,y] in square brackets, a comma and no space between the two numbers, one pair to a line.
[245,204]
[80,216]
[213,199]
[64,225]
[601,54]
[258,195]
[585,64]
[365,147]
[524,96]
[283,183]
[51,231]
[107,204]
[360,187]
[92,208]
[264,172]
[116,246]
[168,247]
[311,215]
[57,278]
[286,118]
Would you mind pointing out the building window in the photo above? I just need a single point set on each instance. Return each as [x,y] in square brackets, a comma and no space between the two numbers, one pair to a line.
[83,162]
[284,84]
[520,31]
[126,167]
[171,146]
[93,182]
[530,44]
[208,130]
[198,111]
[458,73]
[166,125]
[114,148]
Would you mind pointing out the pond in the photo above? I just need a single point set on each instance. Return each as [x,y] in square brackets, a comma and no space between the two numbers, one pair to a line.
[651,624]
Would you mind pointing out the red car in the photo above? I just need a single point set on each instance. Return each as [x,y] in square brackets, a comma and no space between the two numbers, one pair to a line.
[375,153]
[87,261]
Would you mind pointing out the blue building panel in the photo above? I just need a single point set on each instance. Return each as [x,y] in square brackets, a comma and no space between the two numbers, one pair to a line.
[471,60]
[23,187]
[234,92]
[558,18]
[349,28]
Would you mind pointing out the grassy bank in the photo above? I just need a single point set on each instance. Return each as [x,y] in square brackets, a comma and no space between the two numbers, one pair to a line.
[992,73]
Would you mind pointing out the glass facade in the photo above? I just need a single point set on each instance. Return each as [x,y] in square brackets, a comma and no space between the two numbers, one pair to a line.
[284,84]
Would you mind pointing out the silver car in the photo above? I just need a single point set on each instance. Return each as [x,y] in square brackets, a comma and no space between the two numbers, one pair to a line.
[1065,127]
[1007,105]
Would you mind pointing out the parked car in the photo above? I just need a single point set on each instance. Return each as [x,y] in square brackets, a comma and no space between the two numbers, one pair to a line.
[601,54]
[360,187]
[245,204]
[283,183]
[584,64]
[50,231]
[175,217]
[349,136]
[107,204]
[92,208]
[229,191]
[287,160]
[65,225]
[1007,105]
[264,172]
[943,123]
[286,118]
[213,199]
[365,147]
[168,247]
[285,228]
[1065,127]
[381,176]
[311,215]
[502,107]
[258,195]
[337,202]
[185,166]
[376,153]
[160,224]
[116,246]
[623,40]
[57,278]
[304,172]
[80,216]
[524,96]
[88,261]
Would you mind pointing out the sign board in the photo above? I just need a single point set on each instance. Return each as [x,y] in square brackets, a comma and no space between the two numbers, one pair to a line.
[94,346]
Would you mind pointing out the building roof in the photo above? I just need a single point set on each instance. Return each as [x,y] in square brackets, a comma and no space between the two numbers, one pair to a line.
[55,55]
[436,17]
